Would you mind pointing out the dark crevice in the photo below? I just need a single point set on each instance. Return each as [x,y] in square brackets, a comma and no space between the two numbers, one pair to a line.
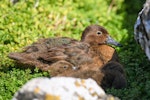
[44,61]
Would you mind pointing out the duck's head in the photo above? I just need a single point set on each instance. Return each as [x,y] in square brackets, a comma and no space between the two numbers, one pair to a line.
[60,67]
[96,34]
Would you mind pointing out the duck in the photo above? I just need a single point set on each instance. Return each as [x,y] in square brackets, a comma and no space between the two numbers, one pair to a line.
[111,75]
[142,29]
[114,76]
[64,56]
[93,49]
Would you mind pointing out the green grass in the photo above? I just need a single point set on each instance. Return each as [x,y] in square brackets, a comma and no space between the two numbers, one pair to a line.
[22,24]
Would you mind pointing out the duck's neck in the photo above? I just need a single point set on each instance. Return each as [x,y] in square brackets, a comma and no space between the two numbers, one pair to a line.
[105,52]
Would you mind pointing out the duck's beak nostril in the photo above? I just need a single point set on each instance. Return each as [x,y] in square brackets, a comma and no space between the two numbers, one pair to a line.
[111,41]
[120,45]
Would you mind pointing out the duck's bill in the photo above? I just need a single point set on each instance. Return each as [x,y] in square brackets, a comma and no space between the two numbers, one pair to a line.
[111,41]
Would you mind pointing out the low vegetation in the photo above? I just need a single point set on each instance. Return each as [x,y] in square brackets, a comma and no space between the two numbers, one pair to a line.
[28,20]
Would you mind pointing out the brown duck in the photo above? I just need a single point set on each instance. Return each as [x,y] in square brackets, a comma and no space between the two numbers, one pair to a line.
[92,49]
[63,55]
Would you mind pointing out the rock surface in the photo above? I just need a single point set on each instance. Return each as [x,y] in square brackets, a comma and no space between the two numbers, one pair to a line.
[62,88]
[142,28]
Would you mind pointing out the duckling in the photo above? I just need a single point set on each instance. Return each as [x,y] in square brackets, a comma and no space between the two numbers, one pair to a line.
[114,75]
[110,75]
[60,67]
[97,75]
[142,28]
[64,68]
[93,50]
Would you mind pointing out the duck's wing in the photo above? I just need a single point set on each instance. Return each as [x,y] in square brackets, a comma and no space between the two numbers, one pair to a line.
[76,53]
[43,45]
[42,52]
[45,52]
[142,28]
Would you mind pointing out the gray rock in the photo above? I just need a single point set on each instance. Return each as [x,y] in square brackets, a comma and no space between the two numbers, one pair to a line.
[62,88]
[142,28]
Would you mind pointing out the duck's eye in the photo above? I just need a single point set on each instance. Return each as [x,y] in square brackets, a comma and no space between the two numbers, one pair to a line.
[99,32]
[65,67]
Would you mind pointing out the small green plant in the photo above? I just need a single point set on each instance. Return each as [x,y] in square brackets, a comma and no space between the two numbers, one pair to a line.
[24,23]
